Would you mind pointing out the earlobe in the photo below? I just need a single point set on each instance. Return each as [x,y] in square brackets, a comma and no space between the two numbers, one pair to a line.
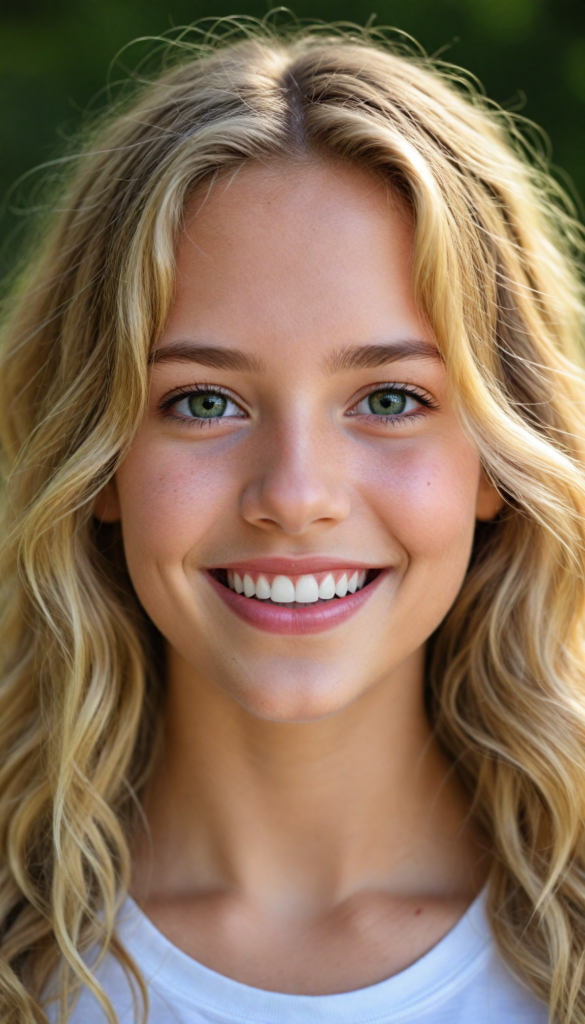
[489,500]
[107,505]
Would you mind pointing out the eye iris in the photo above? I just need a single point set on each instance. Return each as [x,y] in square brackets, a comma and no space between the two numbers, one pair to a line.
[208,405]
[387,403]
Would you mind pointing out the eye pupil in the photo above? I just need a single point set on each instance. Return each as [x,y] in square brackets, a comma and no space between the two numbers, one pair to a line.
[387,403]
[207,405]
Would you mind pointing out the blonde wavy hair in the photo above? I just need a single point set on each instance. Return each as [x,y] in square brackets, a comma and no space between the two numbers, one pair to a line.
[81,678]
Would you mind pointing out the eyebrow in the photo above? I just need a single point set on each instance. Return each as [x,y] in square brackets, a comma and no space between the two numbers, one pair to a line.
[365,357]
[206,355]
[357,357]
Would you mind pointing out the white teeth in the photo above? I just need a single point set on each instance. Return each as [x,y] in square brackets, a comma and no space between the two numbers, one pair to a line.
[307,590]
[352,583]
[262,588]
[341,587]
[327,588]
[282,590]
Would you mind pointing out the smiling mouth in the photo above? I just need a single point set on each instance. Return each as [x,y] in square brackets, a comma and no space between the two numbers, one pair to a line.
[295,592]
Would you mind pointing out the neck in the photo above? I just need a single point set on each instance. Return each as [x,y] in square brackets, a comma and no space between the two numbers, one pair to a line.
[309,812]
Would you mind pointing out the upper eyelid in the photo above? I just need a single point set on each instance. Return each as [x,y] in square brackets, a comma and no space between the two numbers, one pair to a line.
[425,398]
[416,391]
[167,401]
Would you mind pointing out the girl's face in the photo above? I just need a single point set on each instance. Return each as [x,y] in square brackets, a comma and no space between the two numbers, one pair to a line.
[299,443]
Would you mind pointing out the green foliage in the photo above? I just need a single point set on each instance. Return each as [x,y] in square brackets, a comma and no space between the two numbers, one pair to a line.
[575,67]
[54,61]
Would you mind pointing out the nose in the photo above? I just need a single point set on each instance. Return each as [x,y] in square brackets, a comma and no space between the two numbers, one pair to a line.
[297,485]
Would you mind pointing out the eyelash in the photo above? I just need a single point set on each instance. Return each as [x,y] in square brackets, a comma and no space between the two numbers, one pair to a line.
[167,404]
[198,389]
[423,397]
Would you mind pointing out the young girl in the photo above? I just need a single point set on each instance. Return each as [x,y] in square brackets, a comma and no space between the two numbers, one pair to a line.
[292,715]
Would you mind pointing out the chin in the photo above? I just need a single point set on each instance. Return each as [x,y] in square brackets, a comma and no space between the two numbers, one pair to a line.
[296,697]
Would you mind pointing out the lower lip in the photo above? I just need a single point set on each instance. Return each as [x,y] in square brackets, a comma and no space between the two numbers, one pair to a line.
[314,618]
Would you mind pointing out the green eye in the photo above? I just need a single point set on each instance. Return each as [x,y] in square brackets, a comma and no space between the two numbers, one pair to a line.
[387,403]
[207,405]
[200,406]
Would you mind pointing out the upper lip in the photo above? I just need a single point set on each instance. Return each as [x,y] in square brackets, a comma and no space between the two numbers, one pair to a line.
[294,566]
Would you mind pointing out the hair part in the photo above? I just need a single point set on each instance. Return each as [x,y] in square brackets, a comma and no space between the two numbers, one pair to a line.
[495,274]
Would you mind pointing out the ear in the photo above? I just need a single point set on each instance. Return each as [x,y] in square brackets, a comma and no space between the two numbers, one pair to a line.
[107,504]
[489,499]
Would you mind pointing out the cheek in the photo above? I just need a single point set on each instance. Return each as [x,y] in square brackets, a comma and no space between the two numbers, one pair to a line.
[426,496]
[427,499]
[170,499]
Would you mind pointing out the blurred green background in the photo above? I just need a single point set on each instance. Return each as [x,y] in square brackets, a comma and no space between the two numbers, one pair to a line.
[55,54]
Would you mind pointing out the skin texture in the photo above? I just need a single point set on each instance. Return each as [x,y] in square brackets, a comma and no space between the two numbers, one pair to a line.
[306,832]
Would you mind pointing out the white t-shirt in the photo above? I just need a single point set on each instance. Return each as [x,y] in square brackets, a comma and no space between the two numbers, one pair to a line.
[462,980]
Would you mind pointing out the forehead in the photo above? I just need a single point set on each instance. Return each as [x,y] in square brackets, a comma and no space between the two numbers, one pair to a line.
[295,259]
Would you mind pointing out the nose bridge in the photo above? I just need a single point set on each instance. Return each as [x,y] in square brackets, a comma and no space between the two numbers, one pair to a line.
[295,483]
